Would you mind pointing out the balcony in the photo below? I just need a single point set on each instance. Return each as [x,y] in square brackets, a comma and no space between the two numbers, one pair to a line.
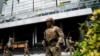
[25,18]
[46,11]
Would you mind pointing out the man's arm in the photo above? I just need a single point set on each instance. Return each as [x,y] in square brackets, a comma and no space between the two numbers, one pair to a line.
[44,40]
[60,34]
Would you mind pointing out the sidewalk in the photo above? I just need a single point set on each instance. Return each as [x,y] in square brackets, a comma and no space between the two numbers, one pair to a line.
[43,54]
[35,52]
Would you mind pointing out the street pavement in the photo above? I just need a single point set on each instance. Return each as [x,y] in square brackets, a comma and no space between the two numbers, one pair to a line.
[43,54]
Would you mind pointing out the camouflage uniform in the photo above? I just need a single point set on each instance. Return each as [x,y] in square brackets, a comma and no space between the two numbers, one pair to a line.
[53,35]
[26,50]
[67,44]
[70,46]
[9,49]
[4,51]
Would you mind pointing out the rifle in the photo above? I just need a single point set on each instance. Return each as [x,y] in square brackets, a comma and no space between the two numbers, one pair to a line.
[46,43]
[51,42]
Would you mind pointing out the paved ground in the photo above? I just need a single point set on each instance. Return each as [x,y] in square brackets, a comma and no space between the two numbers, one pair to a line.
[34,52]
[43,54]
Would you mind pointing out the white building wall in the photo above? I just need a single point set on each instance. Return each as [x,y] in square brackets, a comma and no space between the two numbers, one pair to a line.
[1,5]
[57,16]
[74,1]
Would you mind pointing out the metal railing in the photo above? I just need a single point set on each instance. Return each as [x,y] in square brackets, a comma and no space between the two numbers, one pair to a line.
[50,10]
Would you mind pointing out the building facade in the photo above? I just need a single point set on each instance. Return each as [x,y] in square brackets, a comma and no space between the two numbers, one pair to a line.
[23,20]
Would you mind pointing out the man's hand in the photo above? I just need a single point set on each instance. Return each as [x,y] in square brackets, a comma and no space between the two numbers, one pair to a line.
[57,44]
[43,42]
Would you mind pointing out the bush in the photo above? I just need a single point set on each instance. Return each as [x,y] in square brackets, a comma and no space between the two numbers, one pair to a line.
[90,46]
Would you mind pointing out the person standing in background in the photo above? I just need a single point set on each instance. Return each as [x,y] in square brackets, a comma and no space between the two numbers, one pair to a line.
[9,50]
[26,49]
[69,44]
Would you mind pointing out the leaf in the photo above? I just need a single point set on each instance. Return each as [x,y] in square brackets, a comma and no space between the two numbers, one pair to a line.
[5,1]
[18,1]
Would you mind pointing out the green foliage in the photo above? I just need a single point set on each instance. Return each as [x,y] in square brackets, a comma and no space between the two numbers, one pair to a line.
[18,1]
[77,53]
[5,1]
[61,4]
[19,42]
[90,46]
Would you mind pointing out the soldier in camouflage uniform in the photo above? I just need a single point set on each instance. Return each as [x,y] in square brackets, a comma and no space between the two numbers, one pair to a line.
[4,51]
[26,49]
[69,44]
[53,37]
[9,47]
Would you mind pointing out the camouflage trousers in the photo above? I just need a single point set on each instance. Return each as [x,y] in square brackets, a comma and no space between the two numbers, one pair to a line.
[9,53]
[71,49]
[53,51]
[26,52]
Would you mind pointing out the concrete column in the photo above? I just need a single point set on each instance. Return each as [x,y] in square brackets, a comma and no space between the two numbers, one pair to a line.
[35,35]
[33,38]
[14,35]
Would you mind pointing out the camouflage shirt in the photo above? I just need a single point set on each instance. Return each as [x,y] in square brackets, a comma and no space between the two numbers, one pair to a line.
[54,32]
